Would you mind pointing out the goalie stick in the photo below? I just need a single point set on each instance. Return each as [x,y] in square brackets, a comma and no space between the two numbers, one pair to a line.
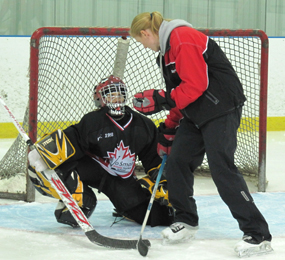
[71,204]
[141,245]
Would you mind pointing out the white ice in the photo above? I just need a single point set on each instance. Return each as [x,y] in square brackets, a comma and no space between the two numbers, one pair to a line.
[33,245]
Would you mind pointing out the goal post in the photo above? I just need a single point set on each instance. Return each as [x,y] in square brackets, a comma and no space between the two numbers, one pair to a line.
[259,68]
[67,62]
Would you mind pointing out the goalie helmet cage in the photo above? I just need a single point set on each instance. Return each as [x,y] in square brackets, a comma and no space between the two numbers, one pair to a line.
[66,63]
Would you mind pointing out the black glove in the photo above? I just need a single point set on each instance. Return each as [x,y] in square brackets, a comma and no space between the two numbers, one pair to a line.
[165,139]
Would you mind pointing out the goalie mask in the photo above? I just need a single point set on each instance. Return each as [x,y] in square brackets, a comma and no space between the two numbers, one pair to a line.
[111,92]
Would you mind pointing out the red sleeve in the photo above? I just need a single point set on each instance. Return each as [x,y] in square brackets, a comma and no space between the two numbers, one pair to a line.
[187,48]
[173,118]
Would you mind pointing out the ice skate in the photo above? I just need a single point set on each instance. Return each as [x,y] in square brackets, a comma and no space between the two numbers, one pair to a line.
[249,246]
[178,232]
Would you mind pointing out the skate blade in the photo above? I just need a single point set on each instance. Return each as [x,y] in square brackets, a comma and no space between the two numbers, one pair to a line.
[262,249]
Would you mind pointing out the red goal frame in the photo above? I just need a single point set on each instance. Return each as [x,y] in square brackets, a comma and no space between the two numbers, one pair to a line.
[45,31]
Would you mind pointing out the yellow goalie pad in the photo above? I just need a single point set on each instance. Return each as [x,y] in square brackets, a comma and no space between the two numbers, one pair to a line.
[55,148]
[42,185]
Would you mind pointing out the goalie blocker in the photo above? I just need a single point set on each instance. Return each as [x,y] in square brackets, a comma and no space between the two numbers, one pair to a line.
[54,149]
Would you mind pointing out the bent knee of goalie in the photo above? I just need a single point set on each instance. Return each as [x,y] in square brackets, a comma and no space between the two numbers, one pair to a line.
[64,216]
[82,193]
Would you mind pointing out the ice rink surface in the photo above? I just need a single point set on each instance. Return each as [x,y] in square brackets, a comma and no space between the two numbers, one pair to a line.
[29,230]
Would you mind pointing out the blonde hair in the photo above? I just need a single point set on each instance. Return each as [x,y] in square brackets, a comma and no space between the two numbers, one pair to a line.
[145,21]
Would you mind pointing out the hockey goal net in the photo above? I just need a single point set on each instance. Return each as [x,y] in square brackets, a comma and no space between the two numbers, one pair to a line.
[66,64]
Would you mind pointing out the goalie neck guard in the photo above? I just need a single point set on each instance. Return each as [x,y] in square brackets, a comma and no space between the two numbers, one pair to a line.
[111,92]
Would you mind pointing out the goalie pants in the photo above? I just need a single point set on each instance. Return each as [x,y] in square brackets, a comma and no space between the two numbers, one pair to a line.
[218,139]
[127,195]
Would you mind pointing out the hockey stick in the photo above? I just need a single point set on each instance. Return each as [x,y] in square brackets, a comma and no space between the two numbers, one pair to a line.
[141,245]
[121,57]
[71,204]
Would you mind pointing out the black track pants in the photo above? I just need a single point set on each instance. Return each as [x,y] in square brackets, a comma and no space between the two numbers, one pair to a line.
[218,139]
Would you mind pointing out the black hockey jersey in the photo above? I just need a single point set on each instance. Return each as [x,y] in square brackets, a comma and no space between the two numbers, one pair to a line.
[115,144]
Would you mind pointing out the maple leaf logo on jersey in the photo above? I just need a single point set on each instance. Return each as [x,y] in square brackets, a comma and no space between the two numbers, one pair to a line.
[122,161]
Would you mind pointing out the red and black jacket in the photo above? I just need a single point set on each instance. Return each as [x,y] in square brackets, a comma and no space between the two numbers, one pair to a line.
[199,77]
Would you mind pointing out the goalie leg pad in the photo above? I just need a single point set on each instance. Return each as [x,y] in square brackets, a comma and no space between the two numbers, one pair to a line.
[63,215]
[42,185]
[87,202]
[72,182]
[82,194]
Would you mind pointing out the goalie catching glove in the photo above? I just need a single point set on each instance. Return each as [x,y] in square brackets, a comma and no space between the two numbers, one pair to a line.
[51,151]
[161,195]
[152,101]
[148,182]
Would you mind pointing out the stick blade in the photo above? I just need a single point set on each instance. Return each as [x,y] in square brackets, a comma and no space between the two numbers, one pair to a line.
[112,243]
[142,247]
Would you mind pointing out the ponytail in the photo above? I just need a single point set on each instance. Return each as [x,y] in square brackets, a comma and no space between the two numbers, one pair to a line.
[145,21]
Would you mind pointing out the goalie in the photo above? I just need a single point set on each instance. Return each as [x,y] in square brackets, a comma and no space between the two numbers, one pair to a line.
[100,152]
